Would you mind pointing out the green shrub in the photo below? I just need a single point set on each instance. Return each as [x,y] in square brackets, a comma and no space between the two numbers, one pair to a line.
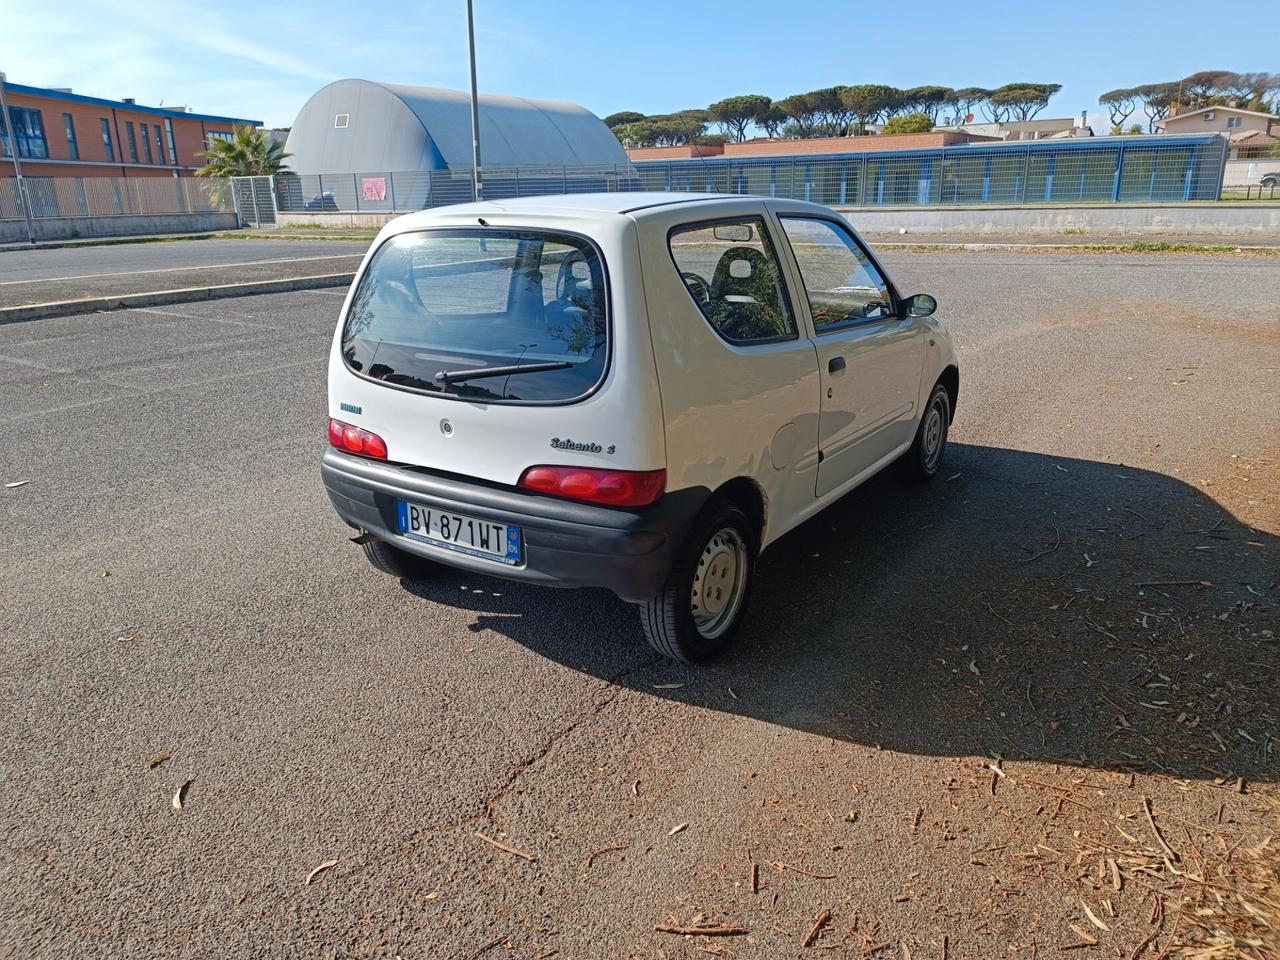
[909,123]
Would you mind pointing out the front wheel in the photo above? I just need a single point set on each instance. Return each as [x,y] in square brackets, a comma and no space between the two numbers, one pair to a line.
[703,601]
[924,459]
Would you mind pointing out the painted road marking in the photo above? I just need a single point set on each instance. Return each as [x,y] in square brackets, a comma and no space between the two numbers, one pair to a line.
[208,266]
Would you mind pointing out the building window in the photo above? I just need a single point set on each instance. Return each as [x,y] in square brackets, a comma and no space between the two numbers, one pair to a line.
[341,120]
[1233,122]
[27,128]
[107,149]
[133,141]
[168,135]
[220,135]
[146,142]
[155,131]
[69,125]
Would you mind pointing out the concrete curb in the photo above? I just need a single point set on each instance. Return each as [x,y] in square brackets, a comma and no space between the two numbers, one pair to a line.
[108,241]
[155,298]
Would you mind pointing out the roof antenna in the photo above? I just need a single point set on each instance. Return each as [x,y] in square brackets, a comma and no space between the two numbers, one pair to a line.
[482,221]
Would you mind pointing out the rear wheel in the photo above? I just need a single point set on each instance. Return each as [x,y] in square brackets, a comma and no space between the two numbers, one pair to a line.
[705,596]
[924,459]
[396,562]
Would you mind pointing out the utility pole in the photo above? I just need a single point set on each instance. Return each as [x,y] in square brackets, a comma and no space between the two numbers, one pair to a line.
[477,180]
[7,121]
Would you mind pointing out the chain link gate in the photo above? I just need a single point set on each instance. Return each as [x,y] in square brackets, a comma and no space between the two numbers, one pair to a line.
[255,200]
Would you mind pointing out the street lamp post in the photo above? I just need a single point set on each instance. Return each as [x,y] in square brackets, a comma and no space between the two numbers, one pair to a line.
[477,180]
[7,120]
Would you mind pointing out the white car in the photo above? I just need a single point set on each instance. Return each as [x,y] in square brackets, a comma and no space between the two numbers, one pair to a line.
[632,391]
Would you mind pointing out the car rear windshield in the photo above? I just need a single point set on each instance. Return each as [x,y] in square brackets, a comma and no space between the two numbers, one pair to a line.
[484,314]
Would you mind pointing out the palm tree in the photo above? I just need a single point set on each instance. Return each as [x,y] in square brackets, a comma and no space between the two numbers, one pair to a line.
[248,153]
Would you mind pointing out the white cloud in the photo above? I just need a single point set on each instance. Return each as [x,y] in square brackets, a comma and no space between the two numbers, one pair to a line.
[246,59]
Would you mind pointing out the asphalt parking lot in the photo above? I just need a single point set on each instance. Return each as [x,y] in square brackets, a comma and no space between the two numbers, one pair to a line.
[68,273]
[945,724]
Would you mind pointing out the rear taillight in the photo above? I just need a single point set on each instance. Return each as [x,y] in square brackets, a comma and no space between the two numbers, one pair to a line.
[614,488]
[350,439]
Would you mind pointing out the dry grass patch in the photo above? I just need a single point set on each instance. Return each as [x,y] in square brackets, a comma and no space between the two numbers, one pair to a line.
[1233,909]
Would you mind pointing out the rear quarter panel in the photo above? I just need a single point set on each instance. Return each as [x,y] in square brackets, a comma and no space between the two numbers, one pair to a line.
[729,411]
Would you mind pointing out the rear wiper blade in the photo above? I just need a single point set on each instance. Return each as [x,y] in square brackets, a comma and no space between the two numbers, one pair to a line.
[453,376]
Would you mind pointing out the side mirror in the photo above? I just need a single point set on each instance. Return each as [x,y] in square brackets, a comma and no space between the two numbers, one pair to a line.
[921,305]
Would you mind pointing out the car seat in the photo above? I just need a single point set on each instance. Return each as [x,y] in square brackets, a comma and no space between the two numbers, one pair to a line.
[395,286]
[744,296]
[744,274]
[575,312]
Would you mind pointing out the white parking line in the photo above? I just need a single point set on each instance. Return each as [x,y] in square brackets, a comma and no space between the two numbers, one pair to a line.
[327,293]
[192,316]
[84,374]
[141,392]
[206,266]
[33,365]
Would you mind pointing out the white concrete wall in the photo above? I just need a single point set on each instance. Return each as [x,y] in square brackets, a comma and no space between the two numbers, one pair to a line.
[68,228]
[1192,218]
[332,219]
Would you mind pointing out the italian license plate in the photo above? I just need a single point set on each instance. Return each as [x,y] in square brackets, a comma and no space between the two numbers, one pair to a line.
[455,531]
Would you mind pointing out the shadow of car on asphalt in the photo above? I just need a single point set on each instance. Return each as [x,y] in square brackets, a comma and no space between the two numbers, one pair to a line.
[1023,606]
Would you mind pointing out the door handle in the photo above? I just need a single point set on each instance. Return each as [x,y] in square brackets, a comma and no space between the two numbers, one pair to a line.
[835,364]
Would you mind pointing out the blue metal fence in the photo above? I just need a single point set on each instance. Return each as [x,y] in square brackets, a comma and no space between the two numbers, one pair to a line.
[1148,169]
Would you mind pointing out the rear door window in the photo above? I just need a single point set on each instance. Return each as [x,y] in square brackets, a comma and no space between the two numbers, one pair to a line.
[488,314]
[731,271]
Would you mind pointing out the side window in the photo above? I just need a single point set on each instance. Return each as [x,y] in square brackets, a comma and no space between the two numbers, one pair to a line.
[842,284]
[731,271]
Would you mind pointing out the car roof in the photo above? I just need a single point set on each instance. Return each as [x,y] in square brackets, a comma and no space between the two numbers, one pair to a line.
[585,202]
[582,207]
[576,205]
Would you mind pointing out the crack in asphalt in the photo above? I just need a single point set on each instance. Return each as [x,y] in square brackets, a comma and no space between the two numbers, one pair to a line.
[520,769]
[497,795]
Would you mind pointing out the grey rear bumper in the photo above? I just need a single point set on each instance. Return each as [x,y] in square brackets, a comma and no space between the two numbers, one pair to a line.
[566,544]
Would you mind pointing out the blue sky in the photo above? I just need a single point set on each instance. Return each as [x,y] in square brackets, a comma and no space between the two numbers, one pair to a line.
[262,60]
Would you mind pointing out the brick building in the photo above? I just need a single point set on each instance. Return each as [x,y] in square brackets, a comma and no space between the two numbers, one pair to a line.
[58,133]
[762,147]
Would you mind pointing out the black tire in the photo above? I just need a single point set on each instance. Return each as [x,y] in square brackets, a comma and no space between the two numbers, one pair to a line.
[721,531]
[1269,182]
[398,563]
[923,461]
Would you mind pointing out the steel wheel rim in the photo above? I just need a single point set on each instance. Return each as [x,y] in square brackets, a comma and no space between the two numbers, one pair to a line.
[719,583]
[934,430]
